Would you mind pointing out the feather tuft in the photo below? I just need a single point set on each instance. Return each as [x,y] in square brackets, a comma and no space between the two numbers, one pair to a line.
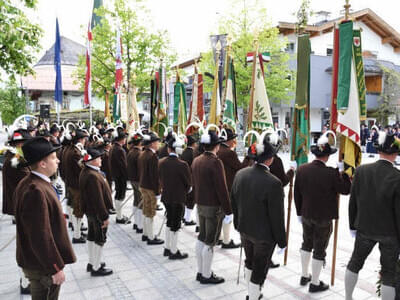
[205,139]
[260,149]
[382,137]
[323,140]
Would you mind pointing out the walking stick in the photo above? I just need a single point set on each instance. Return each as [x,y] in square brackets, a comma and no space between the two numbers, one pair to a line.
[335,235]
[288,220]
[126,201]
[240,262]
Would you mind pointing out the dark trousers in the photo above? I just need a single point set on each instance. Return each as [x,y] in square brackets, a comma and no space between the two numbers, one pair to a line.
[96,234]
[258,257]
[389,249]
[316,236]
[120,188]
[190,200]
[174,215]
[210,223]
[42,287]
[137,200]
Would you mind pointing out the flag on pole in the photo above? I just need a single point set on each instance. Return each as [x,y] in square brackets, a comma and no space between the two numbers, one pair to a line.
[88,79]
[160,98]
[58,93]
[133,113]
[335,65]
[96,18]
[196,112]
[180,115]
[218,45]
[301,119]
[118,77]
[260,116]
[118,62]
[351,95]
[215,106]
[230,116]
[107,107]
[153,100]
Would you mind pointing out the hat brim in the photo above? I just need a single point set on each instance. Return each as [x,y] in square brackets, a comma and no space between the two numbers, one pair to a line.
[97,156]
[315,150]
[148,142]
[13,142]
[44,155]
[234,136]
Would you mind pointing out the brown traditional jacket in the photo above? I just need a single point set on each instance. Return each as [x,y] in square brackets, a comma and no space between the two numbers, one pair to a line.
[71,166]
[210,183]
[231,163]
[105,167]
[96,198]
[162,152]
[175,179]
[11,177]
[277,169]
[132,159]
[148,171]
[315,190]
[118,162]
[42,238]
[188,156]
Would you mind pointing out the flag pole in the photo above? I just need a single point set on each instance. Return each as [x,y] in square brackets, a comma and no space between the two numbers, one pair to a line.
[341,148]
[58,112]
[253,76]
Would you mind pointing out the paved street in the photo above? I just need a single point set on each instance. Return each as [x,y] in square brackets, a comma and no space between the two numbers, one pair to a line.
[141,272]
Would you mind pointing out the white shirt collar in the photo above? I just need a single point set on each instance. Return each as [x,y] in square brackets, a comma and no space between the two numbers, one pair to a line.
[385,160]
[320,161]
[93,167]
[264,165]
[44,177]
[173,154]
[152,150]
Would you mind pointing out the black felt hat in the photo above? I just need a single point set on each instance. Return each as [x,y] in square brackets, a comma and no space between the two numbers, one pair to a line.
[92,153]
[323,148]
[230,135]
[18,136]
[149,138]
[387,143]
[36,149]
[211,138]
[79,133]
[191,140]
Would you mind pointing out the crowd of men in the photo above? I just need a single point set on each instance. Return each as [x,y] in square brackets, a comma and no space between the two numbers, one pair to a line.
[202,170]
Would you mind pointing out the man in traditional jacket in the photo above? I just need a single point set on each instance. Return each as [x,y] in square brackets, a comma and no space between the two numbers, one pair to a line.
[105,161]
[72,169]
[13,172]
[232,164]
[212,199]
[315,194]
[133,176]
[118,165]
[43,246]
[149,185]
[175,180]
[258,208]
[96,200]
[188,156]
[374,216]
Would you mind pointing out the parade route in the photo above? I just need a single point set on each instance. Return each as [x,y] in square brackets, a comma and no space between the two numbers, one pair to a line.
[142,272]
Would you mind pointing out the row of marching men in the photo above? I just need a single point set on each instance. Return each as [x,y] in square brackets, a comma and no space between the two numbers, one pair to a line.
[253,201]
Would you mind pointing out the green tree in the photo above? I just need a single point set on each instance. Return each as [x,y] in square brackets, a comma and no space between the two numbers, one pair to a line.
[141,49]
[19,38]
[12,102]
[389,96]
[240,25]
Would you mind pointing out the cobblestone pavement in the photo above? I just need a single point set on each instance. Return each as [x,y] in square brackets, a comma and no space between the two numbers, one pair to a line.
[141,272]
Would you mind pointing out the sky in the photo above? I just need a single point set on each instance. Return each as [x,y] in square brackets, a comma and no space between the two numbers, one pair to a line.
[190,22]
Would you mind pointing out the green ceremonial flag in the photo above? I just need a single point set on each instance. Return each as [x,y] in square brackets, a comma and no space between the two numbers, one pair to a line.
[180,115]
[230,107]
[96,18]
[116,108]
[345,59]
[161,114]
[358,59]
[301,119]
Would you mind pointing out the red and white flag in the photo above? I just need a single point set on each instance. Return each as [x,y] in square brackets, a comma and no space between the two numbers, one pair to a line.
[118,62]
[88,77]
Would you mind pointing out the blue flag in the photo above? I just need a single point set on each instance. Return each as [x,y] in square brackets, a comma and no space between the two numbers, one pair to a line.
[58,93]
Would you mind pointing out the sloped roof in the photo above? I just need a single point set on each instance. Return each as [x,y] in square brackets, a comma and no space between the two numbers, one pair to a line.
[70,52]
[44,79]
[367,16]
